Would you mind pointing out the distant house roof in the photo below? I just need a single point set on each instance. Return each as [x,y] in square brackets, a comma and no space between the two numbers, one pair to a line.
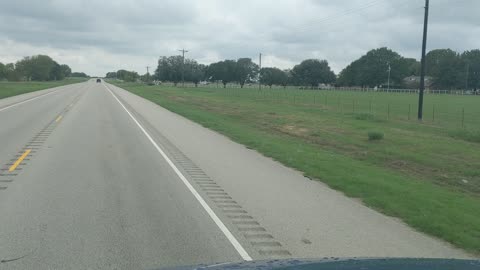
[414,81]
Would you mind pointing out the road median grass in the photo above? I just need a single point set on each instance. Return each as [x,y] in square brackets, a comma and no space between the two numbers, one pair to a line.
[417,172]
[8,89]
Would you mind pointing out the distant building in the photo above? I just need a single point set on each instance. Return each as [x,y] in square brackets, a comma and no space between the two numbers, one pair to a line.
[324,86]
[413,82]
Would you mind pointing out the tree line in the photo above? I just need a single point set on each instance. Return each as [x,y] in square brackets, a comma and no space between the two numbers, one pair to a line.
[445,68]
[36,68]
[124,75]
[310,72]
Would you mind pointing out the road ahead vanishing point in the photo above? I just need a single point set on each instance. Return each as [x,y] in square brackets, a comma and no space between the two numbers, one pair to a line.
[96,177]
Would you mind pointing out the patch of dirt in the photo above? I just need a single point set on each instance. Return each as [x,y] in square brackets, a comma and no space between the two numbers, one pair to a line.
[177,98]
[294,130]
[398,163]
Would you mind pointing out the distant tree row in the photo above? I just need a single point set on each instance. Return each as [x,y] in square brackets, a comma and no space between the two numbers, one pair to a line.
[448,69]
[171,69]
[35,68]
[79,75]
[371,69]
[124,75]
[308,73]
[454,70]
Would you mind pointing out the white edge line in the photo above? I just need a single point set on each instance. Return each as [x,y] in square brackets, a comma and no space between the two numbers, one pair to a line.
[27,100]
[243,253]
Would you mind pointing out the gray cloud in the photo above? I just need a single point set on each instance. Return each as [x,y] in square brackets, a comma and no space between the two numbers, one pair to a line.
[99,36]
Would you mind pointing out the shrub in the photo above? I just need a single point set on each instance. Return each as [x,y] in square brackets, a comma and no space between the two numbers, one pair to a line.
[466,135]
[375,135]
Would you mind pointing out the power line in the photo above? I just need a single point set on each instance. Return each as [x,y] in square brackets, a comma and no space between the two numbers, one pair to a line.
[338,19]
[349,11]
[315,23]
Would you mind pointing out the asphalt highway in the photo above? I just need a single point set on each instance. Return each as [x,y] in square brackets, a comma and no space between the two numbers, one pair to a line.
[94,177]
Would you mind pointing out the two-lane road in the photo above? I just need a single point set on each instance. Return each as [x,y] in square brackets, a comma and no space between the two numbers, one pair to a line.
[112,181]
[96,194]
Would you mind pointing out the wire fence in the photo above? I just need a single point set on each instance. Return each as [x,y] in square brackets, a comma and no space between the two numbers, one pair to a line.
[447,109]
[328,88]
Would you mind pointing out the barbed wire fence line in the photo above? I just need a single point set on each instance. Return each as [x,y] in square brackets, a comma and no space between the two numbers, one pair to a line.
[442,110]
[328,88]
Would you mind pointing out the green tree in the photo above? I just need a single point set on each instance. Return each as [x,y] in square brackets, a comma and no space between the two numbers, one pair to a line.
[446,67]
[471,59]
[56,72]
[288,79]
[372,69]
[194,72]
[37,68]
[413,66]
[66,70]
[245,71]
[111,75]
[271,75]
[2,71]
[312,72]
[222,71]
[81,74]
[127,76]
[169,69]
[12,74]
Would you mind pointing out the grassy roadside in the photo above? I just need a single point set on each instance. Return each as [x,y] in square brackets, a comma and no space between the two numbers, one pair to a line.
[8,89]
[418,173]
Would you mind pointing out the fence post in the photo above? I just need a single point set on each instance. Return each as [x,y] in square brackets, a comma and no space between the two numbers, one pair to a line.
[409,110]
[463,117]
[433,113]
[388,111]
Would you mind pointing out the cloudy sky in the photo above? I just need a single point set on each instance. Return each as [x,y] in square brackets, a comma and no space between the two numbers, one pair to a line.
[100,36]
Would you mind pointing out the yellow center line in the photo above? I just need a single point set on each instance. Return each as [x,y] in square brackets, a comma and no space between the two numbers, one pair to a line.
[19,160]
[58,118]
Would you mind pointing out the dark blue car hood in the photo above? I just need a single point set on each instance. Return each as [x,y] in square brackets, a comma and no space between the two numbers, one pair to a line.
[346,264]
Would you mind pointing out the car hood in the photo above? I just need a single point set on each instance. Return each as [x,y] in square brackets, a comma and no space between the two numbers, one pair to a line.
[345,264]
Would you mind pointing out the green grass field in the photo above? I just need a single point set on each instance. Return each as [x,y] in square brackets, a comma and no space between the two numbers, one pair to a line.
[427,174]
[8,89]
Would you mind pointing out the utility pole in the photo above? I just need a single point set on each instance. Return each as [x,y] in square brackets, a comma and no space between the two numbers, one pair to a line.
[422,70]
[148,74]
[389,70]
[259,71]
[183,66]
